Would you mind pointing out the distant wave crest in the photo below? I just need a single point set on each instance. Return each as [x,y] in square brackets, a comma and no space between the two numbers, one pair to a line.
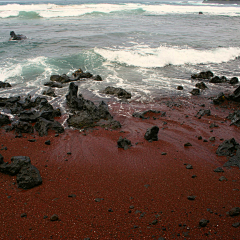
[53,10]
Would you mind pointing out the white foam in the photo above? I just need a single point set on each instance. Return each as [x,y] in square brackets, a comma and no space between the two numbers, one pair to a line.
[144,56]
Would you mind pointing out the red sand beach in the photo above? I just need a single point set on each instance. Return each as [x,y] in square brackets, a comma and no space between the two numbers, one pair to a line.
[100,191]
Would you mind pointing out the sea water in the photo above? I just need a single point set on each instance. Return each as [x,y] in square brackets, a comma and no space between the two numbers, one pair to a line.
[146,47]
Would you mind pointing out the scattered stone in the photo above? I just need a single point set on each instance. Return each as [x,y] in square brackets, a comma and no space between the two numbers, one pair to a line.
[201,85]
[188,144]
[179,87]
[222,178]
[234,212]
[218,169]
[98,199]
[23,215]
[97,78]
[110,210]
[154,222]
[163,153]
[203,222]
[142,115]
[71,195]
[212,139]
[119,92]
[203,112]
[44,217]
[213,125]
[54,217]
[124,143]
[195,91]
[199,137]
[189,166]
[22,127]
[1,159]
[152,133]
[191,198]
[32,140]
[194,176]
[237,224]
[48,142]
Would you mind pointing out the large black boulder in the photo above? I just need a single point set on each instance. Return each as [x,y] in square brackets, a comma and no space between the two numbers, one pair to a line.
[152,133]
[227,148]
[119,92]
[28,177]
[60,78]
[236,95]
[22,127]
[123,143]
[4,120]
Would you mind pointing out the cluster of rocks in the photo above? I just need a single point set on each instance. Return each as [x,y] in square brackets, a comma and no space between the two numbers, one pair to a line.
[84,113]
[28,175]
[208,75]
[231,149]
[29,111]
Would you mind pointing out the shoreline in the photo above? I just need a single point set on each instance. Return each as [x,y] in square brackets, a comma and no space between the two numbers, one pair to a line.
[100,191]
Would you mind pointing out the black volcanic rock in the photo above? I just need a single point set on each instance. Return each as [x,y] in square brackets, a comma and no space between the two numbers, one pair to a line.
[119,92]
[4,85]
[86,113]
[123,143]
[4,120]
[203,75]
[152,133]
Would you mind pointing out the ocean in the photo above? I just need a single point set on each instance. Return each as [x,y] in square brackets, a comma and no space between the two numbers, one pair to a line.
[146,47]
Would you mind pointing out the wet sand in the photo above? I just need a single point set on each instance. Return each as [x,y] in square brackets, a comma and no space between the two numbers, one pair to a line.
[100,191]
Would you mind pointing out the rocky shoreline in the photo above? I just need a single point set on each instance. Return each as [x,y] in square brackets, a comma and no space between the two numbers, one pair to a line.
[165,170]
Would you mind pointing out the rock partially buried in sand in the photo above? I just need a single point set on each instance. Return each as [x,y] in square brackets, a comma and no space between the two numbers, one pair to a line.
[124,143]
[28,176]
[152,134]
[203,222]
[195,91]
[4,85]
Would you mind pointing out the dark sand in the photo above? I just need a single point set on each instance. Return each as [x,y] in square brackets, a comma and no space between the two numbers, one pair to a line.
[138,193]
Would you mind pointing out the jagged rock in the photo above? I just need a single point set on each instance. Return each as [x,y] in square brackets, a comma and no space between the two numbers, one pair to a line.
[28,177]
[8,101]
[119,92]
[22,127]
[233,80]
[217,79]
[53,84]
[152,133]
[195,91]
[42,126]
[4,85]
[201,85]
[60,78]
[124,143]
[235,118]
[16,164]
[50,92]
[203,222]
[4,120]
[234,212]
[227,148]
[203,112]
[87,114]
[236,95]
[97,78]
[233,161]
[203,75]
[219,99]
[142,115]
